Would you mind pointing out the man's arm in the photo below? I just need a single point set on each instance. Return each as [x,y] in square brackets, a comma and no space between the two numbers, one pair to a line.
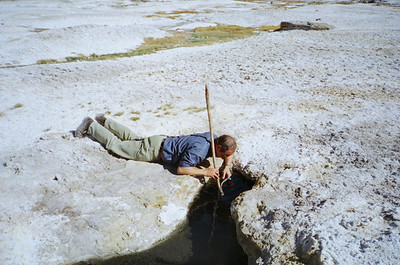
[194,171]
[226,172]
[209,172]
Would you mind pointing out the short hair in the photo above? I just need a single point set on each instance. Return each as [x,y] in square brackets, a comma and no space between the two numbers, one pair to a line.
[227,143]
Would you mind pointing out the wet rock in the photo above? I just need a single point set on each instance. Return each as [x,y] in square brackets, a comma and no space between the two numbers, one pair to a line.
[285,25]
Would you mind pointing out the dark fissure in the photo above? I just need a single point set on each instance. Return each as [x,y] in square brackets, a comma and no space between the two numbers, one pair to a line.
[209,236]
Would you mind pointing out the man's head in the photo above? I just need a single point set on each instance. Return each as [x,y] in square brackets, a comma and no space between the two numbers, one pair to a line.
[225,146]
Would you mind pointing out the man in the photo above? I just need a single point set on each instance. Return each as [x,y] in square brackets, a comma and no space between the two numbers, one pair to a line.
[186,152]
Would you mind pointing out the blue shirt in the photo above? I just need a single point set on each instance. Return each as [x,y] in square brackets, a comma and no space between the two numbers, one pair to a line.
[187,151]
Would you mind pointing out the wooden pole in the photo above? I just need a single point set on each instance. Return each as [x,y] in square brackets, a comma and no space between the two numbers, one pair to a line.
[212,136]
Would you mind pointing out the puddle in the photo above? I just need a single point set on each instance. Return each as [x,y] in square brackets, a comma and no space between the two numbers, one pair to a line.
[209,236]
[212,227]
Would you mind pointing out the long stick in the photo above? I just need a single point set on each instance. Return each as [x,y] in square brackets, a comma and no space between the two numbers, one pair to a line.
[212,136]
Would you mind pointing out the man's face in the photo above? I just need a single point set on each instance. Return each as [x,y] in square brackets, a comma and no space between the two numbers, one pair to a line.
[222,155]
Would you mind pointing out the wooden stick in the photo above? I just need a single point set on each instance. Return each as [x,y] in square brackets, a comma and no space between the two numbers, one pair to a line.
[212,137]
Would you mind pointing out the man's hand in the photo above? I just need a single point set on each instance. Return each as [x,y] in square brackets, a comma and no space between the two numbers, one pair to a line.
[226,172]
[212,172]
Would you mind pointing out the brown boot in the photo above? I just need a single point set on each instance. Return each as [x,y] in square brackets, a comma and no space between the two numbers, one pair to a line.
[83,127]
[101,119]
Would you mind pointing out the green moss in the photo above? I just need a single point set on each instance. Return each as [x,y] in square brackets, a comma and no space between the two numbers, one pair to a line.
[166,110]
[136,116]
[195,109]
[17,106]
[269,28]
[165,107]
[47,61]
[197,37]
[173,14]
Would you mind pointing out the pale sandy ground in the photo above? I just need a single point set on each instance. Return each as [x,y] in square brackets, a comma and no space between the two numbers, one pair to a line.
[315,115]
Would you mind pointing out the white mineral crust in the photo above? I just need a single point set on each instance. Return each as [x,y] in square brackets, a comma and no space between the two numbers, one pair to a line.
[315,113]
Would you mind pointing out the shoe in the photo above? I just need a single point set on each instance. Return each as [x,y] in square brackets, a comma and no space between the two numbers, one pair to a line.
[101,119]
[83,127]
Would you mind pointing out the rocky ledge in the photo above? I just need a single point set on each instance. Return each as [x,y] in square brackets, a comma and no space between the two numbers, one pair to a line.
[105,205]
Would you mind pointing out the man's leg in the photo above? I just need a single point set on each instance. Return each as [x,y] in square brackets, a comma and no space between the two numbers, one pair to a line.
[122,132]
[125,149]
[146,149]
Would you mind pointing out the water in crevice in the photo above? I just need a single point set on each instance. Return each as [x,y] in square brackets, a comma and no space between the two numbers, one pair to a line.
[209,236]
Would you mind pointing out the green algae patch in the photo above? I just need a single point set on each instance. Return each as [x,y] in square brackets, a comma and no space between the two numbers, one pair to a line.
[173,14]
[197,37]
[219,33]
[47,61]
[195,109]
[17,106]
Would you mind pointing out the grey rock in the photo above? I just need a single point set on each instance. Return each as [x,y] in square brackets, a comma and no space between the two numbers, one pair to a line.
[285,25]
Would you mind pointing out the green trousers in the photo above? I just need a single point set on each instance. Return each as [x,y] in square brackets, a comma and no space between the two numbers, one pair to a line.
[123,142]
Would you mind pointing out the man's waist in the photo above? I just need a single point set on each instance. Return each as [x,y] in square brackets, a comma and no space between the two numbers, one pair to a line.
[161,150]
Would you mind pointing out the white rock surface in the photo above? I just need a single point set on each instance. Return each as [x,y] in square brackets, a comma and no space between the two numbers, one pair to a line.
[65,200]
[315,114]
